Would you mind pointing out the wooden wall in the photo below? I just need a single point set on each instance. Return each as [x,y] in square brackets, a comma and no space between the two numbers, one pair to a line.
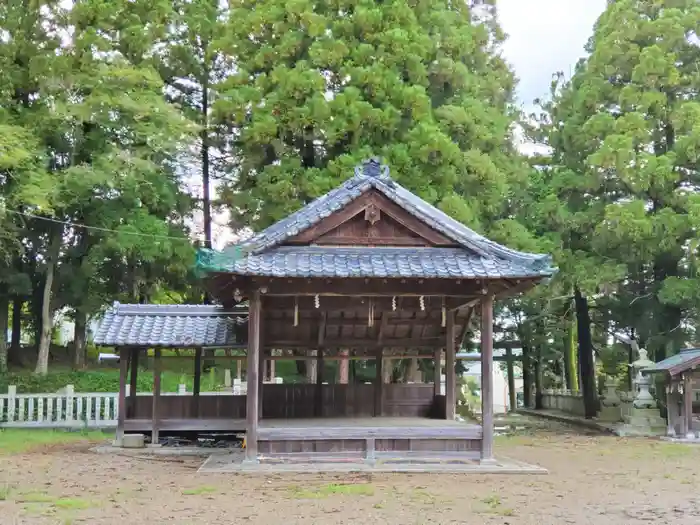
[293,401]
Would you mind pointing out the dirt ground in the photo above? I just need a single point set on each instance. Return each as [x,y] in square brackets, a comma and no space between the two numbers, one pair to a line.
[592,479]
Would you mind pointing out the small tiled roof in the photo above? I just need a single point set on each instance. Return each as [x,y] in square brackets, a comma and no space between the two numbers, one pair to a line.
[174,326]
[481,256]
[316,261]
[676,364]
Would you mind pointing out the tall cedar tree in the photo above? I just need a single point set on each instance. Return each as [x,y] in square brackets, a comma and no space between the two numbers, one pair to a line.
[321,85]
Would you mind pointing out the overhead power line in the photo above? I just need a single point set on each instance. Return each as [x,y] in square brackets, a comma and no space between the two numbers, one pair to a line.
[96,228]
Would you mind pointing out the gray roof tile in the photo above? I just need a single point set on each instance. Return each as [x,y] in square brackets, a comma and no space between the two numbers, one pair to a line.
[327,261]
[175,326]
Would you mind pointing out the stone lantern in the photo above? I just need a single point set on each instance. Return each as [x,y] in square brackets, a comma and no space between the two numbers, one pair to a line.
[643,399]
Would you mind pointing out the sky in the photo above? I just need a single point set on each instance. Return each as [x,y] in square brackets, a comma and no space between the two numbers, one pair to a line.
[545,36]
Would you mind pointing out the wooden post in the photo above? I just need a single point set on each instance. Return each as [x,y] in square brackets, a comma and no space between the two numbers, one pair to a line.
[156,395]
[437,380]
[318,409]
[121,402]
[344,367]
[687,402]
[671,408]
[512,398]
[378,381]
[253,369]
[197,383]
[134,365]
[450,372]
[487,379]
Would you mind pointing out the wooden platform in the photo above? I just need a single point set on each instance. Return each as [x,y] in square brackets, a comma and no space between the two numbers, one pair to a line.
[367,437]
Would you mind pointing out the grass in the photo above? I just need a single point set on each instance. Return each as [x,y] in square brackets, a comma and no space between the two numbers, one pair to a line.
[333,489]
[494,505]
[18,441]
[199,490]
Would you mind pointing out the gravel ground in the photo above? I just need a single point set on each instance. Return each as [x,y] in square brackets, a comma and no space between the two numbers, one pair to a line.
[593,479]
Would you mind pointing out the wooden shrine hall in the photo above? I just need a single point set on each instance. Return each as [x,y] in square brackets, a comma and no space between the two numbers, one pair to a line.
[368,271]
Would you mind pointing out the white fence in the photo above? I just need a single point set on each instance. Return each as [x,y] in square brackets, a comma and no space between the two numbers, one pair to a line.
[69,409]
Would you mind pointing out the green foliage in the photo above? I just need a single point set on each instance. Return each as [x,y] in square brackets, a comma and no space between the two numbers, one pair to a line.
[321,86]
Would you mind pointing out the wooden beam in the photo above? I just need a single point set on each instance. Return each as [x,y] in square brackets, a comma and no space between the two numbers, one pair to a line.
[340,303]
[121,401]
[366,287]
[251,453]
[512,398]
[487,379]
[450,370]
[428,342]
[156,396]
[133,382]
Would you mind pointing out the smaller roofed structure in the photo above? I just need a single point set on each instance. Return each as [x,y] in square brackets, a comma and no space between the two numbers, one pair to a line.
[686,359]
[172,326]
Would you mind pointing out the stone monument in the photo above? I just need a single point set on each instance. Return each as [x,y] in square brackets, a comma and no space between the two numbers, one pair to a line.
[644,418]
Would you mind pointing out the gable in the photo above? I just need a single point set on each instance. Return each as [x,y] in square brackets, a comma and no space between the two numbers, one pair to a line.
[371,220]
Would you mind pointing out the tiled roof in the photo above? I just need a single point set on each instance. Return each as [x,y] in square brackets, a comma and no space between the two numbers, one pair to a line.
[372,175]
[175,326]
[316,261]
[675,364]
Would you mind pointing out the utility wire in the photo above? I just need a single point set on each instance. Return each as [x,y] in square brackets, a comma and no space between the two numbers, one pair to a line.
[96,228]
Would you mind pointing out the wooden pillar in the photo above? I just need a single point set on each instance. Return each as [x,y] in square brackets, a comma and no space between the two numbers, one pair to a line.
[687,402]
[272,367]
[318,398]
[197,383]
[121,402]
[512,398]
[253,370]
[134,366]
[378,382]
[671,408]
[450,372]
[156,395]
[487,379]
[437,381]
[344,367]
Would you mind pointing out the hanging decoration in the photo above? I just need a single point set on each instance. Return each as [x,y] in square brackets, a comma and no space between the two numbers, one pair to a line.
[444,313]
[370,318]
[422,303]
[237,295]
[296,311]
[393,304]
[317,301]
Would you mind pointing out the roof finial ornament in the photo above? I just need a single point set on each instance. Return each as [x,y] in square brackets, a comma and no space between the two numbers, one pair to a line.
[374,168]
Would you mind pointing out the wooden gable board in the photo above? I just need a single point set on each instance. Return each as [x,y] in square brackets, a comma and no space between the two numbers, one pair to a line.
[372,220]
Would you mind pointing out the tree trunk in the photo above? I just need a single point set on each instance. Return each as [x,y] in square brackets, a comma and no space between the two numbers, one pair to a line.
[538,379]
[80,339]
[570,361]
[14,354]
[42,362]
[585,354]
[4,319]
[527,376]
